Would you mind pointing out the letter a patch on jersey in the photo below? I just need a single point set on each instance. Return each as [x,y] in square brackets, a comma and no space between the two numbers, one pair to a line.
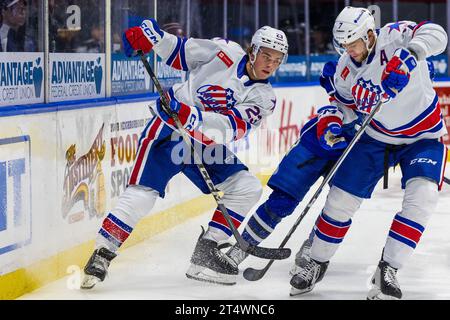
[225,59]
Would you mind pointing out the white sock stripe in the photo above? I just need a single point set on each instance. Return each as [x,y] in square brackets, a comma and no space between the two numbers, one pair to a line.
[262,223]
[408,225]
[328,236]
[333,225]
[403,236]
[252,234]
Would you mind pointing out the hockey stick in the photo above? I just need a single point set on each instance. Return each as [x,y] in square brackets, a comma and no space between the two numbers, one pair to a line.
[260,252]
[252,274]
[446,180]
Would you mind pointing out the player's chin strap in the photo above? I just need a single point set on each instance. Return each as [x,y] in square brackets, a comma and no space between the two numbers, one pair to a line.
[252,274]
[367,43]
[255,52]
[261,252]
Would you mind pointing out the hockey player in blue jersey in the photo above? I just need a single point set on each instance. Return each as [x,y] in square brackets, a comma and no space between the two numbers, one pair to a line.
[225,97]
[388,63]
[321,142]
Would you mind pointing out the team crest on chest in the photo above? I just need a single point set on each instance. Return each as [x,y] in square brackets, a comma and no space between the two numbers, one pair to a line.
[215,98]
[366,94]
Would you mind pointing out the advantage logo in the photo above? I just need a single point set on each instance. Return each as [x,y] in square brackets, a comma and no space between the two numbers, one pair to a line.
[74,76]
[129,75]
[21,78]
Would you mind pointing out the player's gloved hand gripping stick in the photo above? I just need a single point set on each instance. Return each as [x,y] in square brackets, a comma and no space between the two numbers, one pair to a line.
[260,252]
[252,274]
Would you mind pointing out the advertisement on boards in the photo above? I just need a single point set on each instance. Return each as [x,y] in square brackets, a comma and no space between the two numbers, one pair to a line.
[128,75]
[444,101]
[75,76]
[21,78]
[84,191]
[15,193]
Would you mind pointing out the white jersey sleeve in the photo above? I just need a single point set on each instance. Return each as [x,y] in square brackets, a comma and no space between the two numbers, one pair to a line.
[239,121]
[187,54]
[425,39]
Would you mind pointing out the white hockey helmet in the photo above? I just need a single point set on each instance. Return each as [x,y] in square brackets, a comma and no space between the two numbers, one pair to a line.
[353,24]
[272,38]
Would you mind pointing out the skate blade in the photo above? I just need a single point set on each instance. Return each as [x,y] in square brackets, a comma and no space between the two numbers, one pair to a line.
[296,292]
[207,275]
[376,294]
[89,282]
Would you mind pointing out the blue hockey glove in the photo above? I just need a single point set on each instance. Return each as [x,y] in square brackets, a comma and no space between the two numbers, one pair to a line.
[397,72]
[327,77]
[329,128]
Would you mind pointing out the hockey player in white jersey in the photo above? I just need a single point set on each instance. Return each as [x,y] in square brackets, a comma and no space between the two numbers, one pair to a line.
[386,64]
[311,157]
[226,96]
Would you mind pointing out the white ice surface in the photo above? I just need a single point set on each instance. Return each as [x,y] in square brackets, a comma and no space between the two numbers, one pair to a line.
[155,268]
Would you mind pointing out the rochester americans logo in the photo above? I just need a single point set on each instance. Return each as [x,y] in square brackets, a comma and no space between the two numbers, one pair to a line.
[366,94]
[215,98]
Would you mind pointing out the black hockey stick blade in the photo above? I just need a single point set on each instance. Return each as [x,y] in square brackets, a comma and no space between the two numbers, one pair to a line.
[446,180]
[261,252]
[268,253]
[252,274]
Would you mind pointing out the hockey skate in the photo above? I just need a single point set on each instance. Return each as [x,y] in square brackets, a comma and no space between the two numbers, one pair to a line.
[308,276]
[237,254]
[210,264]
[302,258]
[384,283]
[97,267]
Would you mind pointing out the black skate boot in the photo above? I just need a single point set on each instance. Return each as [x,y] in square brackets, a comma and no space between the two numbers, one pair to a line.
[237,254]
[384,283]
[97,267]
[210,264]
[302,258]
[309,275]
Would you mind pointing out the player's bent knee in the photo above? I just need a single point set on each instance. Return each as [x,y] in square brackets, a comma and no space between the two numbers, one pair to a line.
[281,204]
[136,202]
[241,192]
[421,197]
[242,184]
[341,205]
[254,188]
[253,192]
